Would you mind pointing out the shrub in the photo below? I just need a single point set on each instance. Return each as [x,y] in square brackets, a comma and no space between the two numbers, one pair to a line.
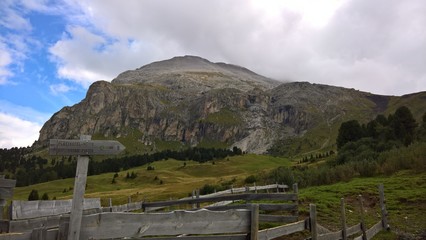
[250,179]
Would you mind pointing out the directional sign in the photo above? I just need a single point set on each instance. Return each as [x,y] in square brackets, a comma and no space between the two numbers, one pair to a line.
[84,147]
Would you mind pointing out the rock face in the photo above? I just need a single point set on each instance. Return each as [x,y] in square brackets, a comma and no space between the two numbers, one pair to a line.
[190,100]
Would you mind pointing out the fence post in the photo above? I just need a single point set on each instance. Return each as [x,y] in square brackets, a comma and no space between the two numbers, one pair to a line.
[313,221]
[39,234]
[63,229]
[110,205]
[278,190]
[247,191]
[198,196]
[255,188]
[78,195]
[383,207]
[296,191]
[193,196]
[295,188]
[254,229]
[343,218]
[363,229]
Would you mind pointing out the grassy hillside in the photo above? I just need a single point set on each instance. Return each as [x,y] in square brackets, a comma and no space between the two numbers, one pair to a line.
[405,194]
[405,191]
[170,178]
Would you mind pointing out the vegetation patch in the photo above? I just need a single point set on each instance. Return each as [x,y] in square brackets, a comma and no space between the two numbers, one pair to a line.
[224,117]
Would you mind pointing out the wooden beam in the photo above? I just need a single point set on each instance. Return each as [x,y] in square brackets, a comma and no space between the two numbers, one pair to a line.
[254,231]
[233,197]
[119,225]
[78,196]
[313,221]
[343,218]
[272,233]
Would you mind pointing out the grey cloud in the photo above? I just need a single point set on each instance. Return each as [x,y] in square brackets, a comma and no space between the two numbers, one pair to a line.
[375,46]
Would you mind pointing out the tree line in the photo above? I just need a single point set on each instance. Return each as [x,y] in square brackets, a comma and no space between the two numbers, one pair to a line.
[384,145]
[28,169]
[356,142]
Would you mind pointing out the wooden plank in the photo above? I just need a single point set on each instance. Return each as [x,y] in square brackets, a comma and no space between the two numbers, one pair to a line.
[201,237]
[78,195]
[254,229]
[84,147]
[27,225]
[353,229]
[272,233]
[244,196]
[262,206]
[6,193]
[343,219]
[374,230]
[278,207]
[4,226]
[313,221]
[322,230]
[7,183]
[118,225]
[277,218]
[39,234]
[16,236]
[339,234]
[34,209]
[330,236]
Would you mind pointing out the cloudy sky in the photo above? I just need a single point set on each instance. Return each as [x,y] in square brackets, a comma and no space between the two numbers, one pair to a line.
[52,50]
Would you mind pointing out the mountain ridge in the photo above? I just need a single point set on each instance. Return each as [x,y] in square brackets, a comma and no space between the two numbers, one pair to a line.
[190,101]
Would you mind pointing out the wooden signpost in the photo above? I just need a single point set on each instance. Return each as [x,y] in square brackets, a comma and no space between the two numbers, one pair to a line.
[83,148]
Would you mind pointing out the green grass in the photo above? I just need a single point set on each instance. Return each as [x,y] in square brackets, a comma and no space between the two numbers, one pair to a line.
[405,191]
[405,195]
[224,117]
[169,179]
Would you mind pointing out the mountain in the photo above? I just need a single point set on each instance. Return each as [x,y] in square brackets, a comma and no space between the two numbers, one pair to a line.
[191,101]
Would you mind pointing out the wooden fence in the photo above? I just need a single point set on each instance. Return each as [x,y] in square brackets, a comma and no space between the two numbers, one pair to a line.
[44,208]
[219,222]
[320,233]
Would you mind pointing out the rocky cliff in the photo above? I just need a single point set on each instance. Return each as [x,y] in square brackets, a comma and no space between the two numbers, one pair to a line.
[191,100]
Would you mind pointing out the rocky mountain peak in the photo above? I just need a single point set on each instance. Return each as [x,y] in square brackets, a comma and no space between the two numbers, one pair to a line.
[196,74]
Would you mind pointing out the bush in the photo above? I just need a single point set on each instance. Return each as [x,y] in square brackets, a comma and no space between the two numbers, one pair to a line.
[33,195]
[207,189]
[250,179]
[45,196]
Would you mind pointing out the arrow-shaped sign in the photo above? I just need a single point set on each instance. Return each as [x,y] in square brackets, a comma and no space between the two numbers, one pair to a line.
[84,147]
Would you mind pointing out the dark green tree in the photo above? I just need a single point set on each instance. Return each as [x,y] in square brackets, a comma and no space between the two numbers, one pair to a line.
[33,195]
[421,132]
[404,125]
[45,196]
[349,131]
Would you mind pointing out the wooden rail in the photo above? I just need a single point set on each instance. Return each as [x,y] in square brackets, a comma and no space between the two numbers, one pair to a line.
[35,209]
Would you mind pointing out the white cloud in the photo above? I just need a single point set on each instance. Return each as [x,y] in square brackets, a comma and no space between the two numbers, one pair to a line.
[19,125]
[84,57]
[61,88]
[5,61]
[15,132]
[22,112]
[11,18]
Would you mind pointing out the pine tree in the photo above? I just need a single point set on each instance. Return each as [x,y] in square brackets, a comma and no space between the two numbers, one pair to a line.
[33,195]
